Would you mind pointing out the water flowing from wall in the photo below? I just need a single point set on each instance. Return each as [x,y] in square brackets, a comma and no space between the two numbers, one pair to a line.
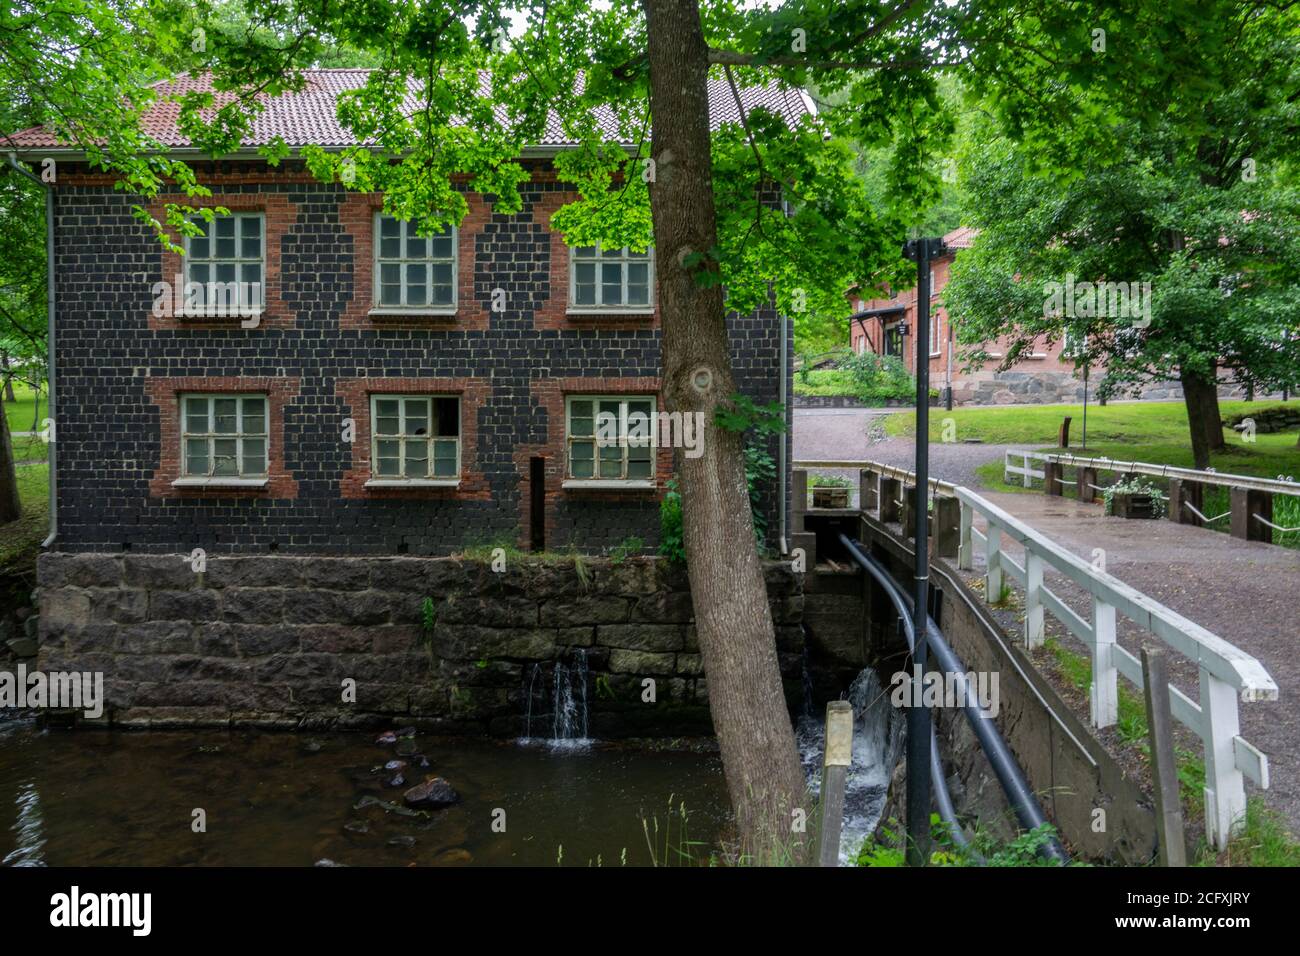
[877,742]
[558,703]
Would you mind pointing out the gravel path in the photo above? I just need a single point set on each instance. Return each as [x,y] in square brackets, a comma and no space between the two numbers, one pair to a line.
[1243,591]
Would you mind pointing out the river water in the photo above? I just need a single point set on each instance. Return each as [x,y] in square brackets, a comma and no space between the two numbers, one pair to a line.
[104,798]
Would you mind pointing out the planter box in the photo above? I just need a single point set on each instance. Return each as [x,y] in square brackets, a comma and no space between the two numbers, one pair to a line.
[1133,506]
[830,497]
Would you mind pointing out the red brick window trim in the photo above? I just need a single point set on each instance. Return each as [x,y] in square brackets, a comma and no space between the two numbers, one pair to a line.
[168,289]
[359,213]
[360,480]
[557,311]
[170,481]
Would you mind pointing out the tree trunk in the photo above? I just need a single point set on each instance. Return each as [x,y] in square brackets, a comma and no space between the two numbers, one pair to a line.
[1212,419]
[1201,400]
[732,617]
[10,506]
[9,395]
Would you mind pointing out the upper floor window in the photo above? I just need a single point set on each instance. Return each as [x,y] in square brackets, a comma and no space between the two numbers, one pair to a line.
[415,438]
[610,438]
[413,272]
[610,279]
[225,266]
[223,437]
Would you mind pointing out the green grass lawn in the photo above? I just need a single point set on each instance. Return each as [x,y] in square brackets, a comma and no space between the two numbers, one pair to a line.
[20,539]
[1154,432]
[20,415]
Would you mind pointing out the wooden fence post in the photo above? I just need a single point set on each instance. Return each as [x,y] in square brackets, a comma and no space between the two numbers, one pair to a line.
[1084,479]
[966,547]
[835,771]
[1051,472]
[1225,790]
[1105,678]
[1035,622]
[1164,770]
[888,499]
[1246,503]
[868,490]
[946,539]
[993,564]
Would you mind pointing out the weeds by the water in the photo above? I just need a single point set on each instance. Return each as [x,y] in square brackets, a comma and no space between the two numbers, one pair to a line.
[1024,849]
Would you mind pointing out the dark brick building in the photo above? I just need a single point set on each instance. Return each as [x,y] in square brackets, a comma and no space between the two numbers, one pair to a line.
[374,392]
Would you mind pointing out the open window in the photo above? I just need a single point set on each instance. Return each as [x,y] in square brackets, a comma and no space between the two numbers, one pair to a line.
[415,440]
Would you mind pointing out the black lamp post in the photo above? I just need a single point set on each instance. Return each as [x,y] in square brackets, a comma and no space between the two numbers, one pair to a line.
[922,252]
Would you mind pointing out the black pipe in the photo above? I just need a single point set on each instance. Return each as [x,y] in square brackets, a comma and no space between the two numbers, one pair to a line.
[1004,765]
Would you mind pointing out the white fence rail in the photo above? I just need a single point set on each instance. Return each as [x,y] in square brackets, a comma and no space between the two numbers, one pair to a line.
[1227,674]
[1282,486]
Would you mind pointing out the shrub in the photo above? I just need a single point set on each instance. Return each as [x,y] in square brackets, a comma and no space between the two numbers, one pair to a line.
[879,378]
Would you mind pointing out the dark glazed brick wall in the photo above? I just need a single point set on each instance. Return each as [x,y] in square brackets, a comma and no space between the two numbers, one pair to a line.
[109,347]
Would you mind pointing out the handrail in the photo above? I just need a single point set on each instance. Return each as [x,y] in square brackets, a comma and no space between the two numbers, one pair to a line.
[1156,471]
[1228,675]
[995,748]
[893,471]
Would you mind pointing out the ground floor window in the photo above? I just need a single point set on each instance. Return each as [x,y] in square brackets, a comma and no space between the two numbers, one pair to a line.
[415,437]
[610,438]
[224,436]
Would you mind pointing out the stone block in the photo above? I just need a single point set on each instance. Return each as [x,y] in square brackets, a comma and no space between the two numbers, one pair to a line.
[642,637]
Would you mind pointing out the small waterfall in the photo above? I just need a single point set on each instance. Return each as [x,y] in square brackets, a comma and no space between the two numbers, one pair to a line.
[566,706]
[877,741]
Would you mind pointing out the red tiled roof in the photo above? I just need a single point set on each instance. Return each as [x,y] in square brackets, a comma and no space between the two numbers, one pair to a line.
[961,238]
[310,116]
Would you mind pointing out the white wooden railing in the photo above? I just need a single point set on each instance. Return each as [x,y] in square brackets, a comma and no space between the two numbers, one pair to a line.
[1283,485]
[1226,672]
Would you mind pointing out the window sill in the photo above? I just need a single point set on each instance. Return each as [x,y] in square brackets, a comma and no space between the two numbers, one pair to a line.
[610,312]
[245,483]
[607,484]
[391,311]
[413,483]
[206,314]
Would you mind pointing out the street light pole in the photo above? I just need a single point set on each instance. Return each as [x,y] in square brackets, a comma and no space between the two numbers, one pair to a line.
[922,252]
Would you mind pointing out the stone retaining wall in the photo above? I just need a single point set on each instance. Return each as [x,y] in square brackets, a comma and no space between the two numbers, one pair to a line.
[272,640]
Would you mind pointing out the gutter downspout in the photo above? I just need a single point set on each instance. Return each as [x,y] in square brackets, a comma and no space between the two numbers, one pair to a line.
[49,340]
[785,439]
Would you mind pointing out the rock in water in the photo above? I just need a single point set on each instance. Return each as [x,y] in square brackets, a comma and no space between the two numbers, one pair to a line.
[434,792]
[397,781]
[387,737]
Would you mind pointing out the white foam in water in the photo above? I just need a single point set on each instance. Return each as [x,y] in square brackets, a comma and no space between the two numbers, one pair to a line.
[876,743]
[567,705]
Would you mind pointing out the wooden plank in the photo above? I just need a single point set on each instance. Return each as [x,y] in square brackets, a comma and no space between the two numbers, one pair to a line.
[1164,769]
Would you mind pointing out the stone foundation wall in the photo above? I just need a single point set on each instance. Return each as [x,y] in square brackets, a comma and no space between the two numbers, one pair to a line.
[1030,386]
[276,641]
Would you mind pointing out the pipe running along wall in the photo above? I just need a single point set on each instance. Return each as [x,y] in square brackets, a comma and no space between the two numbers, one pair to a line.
[999,755]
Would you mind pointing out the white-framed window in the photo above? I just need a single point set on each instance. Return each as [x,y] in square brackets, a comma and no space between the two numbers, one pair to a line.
[936,347]
[224,437]
[225,266]
[610,439]
[603,280]
[414,272]
[414,439]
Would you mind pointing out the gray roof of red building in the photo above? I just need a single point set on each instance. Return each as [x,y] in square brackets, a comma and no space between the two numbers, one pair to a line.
[310,117]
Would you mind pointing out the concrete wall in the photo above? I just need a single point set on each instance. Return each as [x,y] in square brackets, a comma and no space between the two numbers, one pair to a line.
[269,641]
